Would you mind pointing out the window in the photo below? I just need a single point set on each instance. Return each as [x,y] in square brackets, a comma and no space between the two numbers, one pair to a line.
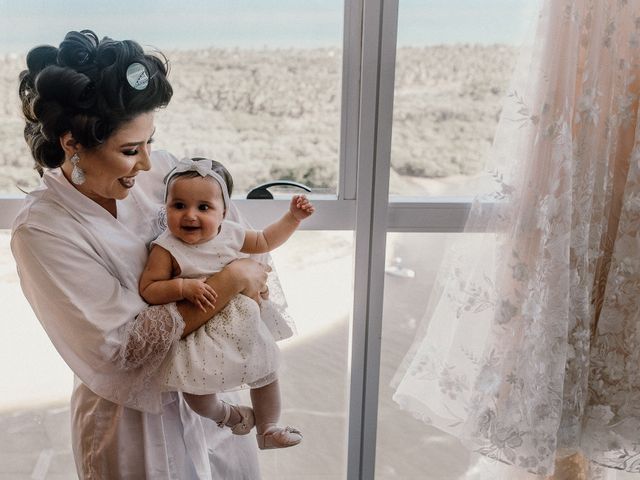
[34,408]
[257,85]
[454,61]
[412,263]
[313,378]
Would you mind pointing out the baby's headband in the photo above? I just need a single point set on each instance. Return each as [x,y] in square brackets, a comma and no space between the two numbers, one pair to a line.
[204,169]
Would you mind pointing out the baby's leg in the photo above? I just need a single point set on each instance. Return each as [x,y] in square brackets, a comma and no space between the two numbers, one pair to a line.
[238,417]
[266,407]
[209,406]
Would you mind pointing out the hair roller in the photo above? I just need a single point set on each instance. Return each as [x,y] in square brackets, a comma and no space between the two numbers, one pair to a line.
[78,50]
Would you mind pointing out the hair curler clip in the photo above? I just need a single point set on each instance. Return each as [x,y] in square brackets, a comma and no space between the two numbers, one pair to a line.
[137,76]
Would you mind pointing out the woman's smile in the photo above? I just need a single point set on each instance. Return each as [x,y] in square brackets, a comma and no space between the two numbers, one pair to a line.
[127,182]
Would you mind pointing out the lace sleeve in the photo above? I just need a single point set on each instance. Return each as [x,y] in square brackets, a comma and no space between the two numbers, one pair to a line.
[150,336]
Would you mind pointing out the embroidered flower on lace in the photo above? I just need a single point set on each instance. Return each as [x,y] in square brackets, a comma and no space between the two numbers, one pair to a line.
[149,337]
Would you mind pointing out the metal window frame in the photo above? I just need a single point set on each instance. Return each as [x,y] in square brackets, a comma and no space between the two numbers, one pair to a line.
[403,215]
[379,28]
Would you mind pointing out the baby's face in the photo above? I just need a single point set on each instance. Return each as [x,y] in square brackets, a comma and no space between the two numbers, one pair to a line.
[195,209]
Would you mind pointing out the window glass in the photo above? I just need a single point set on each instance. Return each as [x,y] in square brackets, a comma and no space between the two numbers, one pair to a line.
[316,273]
[257,84]
[34,405]
[40,376]
[407,447]
[453,65]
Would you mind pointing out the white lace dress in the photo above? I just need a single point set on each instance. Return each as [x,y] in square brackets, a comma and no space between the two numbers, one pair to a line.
[531,342]
[237,347]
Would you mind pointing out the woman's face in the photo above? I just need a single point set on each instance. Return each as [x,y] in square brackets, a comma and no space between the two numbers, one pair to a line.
[195,209]
[110,169]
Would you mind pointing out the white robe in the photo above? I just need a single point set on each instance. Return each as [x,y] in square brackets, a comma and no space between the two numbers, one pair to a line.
[79,269]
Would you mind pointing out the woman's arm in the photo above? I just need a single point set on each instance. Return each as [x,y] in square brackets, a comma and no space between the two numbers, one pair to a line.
[102,329]
[244,276]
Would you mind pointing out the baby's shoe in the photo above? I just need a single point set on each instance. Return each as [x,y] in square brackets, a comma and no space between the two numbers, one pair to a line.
[276,436]
[247,420]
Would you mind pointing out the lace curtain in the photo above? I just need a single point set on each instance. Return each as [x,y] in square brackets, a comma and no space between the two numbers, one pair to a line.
[530,346]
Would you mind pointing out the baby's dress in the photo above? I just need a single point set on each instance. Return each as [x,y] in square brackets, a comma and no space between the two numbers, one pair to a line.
[237,347]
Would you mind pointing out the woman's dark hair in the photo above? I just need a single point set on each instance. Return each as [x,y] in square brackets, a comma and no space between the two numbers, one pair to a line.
[82,87]
[216,166]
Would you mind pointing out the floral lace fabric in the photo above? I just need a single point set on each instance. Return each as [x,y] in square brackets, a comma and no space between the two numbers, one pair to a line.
[531,339]
[150,336]
[146,342]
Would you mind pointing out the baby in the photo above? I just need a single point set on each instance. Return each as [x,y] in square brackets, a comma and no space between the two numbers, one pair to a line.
[235,348]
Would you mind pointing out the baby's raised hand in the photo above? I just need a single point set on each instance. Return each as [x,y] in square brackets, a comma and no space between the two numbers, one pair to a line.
[301,207]
[198,292]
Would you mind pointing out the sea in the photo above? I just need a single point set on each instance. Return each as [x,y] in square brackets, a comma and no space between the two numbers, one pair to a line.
[194,24]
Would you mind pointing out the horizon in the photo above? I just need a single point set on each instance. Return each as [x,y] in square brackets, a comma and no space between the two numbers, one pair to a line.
[252,24]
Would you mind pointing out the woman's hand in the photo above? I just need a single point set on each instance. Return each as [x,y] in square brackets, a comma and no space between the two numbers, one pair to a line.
[244,276]
[252,275]
[264,294]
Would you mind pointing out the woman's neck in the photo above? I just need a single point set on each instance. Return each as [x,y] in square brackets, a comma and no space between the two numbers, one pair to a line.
[109,204]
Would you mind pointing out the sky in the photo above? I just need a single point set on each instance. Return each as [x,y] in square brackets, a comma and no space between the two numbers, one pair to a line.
[168,24]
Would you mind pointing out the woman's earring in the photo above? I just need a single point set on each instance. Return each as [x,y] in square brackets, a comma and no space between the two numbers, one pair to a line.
[77,174]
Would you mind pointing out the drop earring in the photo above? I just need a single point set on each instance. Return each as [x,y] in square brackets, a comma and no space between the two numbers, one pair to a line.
[77,174]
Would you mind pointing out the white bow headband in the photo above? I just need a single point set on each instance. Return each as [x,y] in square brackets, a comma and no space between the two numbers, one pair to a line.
[203,167]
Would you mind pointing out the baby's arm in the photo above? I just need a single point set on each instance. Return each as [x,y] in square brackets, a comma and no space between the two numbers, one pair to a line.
[279,232]
[157,287]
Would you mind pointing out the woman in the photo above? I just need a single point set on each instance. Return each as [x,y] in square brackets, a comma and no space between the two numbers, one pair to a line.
[80,244]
